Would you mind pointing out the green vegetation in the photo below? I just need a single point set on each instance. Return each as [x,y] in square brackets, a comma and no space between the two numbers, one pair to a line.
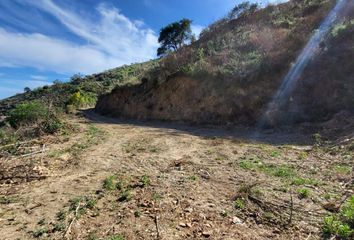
[35,113]
[341,225]
[174,36]
[145,181]
[303,193]
[41,232]
[116,237]
[109,183]
[240,203]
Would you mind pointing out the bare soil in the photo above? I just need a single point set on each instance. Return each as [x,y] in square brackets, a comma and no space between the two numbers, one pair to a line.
[173,181]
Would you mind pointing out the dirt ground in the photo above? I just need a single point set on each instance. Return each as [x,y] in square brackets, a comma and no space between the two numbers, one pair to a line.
[120,180]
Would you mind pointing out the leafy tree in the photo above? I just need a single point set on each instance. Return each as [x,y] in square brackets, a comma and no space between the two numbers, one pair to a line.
[242,9]
[26,89]
[174,36]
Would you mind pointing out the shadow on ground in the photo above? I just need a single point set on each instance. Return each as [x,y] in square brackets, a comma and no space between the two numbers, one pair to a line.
[282,136]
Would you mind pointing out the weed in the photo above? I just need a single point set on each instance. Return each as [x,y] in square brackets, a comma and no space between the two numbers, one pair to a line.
[91,203]
[7,199]
[156,196]
[247,165]
[343,169]
[145,181]
[92,236]
[281,171]
[240,203]
[58,227]
[41,222]
[108,183]
[40,232]
[297,181]
[116,237]
[303,156]
[303,193]
[332,226]
[318,138]
[275,154]
[193,178]
[125,196]
[61,215]
[137,213]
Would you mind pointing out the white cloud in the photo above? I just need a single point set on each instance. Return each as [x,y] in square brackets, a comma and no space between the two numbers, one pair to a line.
[112,41]
[38,77]
[197,29]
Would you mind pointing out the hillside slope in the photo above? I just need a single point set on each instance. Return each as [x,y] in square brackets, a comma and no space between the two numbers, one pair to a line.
[231,73]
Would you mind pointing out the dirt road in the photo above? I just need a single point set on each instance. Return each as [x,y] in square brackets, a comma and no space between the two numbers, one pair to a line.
[176,182]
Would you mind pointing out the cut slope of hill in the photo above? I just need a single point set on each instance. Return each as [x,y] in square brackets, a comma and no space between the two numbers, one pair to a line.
[232,72]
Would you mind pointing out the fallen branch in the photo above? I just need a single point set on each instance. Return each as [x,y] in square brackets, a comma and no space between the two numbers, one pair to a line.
[291,209]
[18,143]
[68,230]
[156,220]
[33,153]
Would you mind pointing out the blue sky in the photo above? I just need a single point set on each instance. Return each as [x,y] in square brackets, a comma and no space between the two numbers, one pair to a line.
[44,40]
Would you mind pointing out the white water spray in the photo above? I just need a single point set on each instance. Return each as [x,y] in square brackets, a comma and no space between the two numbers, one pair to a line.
[294,74]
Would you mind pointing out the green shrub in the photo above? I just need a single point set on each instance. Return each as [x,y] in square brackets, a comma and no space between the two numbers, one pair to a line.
[341,225]
[82,99]
[303,193]
[239,203]
[109,183]
[7,137]
[35,113]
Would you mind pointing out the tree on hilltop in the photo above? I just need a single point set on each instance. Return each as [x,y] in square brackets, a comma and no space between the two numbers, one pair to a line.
[174,36]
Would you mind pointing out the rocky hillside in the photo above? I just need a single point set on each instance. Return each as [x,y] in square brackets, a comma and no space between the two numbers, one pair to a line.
[231,73]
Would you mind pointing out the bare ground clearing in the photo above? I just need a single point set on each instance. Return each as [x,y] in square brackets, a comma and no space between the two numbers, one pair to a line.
[166,181]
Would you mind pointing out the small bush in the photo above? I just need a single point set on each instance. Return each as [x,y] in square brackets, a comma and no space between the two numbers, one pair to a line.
[239,203]
[145,181]
[303,193]
[82,99]
[37,114]
[341,225]
[109,183]
[7,137]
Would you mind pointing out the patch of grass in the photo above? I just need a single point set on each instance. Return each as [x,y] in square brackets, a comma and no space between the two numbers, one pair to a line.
[137,214]
[343,169]
[302,156]
[61,215]
[247,165]
[91,203]
[58,227]
[156,196]
[275,154]
[239,203]
[303,193]
[298,181]
[281,171]
[193,178]
[116,237]
[125,196]
[145,181]
[41,222]
[7,199]
[41,232]
[109,183]
[317,137]
[333,226]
